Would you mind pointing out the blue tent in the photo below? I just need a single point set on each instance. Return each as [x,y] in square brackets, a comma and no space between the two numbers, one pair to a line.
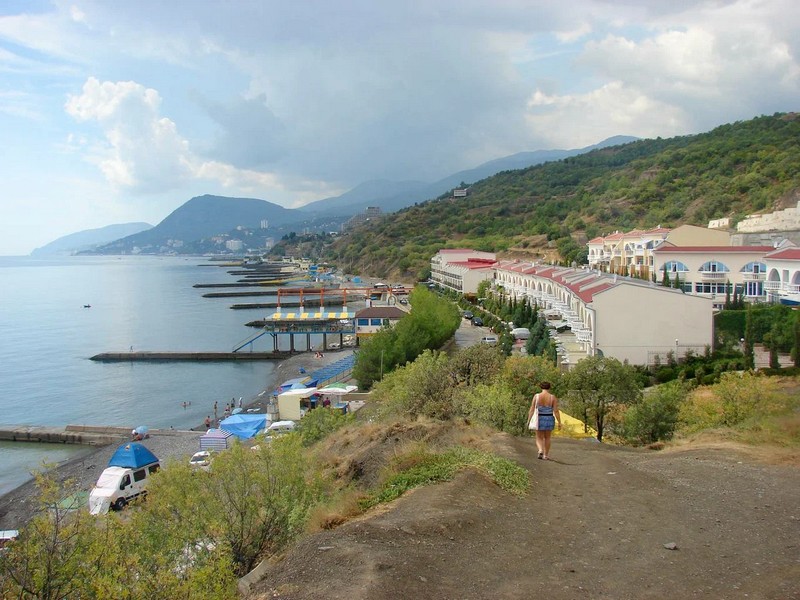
[244,426]
[132,456]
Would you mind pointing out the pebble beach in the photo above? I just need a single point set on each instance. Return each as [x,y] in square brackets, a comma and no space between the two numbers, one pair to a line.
[20,504]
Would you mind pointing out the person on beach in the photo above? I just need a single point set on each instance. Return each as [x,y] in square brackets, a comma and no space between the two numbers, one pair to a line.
[216,418]
[545,405]
[208,422]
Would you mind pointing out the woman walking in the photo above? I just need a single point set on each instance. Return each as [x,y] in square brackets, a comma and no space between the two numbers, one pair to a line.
[545,406]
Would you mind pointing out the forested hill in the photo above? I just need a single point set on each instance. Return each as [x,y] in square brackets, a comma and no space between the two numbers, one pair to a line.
[731,171]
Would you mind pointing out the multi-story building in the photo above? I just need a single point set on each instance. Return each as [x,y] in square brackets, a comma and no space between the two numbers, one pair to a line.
[607,315]
[626,253]
[461,270]
[783,275]
[713,271]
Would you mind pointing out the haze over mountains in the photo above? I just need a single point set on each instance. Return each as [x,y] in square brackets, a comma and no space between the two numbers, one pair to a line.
[206,216]
[89,239]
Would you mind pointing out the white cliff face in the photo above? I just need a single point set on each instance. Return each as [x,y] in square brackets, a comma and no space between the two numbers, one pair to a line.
[781,220]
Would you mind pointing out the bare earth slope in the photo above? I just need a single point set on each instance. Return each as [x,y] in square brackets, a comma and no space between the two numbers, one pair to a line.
[594,525]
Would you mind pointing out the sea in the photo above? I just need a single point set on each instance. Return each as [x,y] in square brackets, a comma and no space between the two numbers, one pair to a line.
[55,313]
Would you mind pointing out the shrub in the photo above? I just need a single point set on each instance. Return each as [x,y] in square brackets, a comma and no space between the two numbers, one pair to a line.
[654,418]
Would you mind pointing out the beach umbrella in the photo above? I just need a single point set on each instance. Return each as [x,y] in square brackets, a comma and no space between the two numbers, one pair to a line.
[332,390]
[298,393]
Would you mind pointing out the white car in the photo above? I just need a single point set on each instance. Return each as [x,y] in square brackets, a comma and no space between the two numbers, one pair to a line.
[201,460]
[490,340]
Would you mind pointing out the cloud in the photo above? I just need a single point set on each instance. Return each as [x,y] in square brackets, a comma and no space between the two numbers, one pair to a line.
[143,150]
[250,134]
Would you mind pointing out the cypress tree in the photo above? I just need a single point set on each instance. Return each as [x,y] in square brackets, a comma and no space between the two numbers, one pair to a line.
[749,354]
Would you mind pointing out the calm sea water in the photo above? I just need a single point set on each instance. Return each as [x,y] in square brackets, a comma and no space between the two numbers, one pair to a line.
[144,303]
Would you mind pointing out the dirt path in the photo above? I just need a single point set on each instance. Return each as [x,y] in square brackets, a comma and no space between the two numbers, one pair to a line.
[594,525]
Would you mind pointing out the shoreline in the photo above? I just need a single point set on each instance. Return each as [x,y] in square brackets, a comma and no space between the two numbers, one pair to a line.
[17,505]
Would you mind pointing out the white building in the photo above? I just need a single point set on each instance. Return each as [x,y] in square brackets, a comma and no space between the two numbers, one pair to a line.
[628,253]
[783,276]
[711,271]
[618,317]
[234,245]
[461,269]
[372,319]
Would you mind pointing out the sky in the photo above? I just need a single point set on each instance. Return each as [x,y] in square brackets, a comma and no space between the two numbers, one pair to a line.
[115,112]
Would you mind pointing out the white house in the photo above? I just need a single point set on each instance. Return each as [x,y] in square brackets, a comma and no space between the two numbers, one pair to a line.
[783,275]
[599,314]
[461,269]
[371,319]
[712,270]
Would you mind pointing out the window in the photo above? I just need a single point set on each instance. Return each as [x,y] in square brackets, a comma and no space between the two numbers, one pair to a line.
[139,475]
[710,288]
[376,322]
[675,266]
[713,266]
[754,267]
[363,322]
[126,481]
[153,468]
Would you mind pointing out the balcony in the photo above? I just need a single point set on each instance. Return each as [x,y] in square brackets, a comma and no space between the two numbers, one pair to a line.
[773,286]
[754,276]
[714,275]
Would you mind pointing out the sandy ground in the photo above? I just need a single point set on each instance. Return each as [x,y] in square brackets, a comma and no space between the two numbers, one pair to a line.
[599,522]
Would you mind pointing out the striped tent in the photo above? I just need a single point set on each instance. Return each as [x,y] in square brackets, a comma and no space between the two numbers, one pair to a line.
[215,439]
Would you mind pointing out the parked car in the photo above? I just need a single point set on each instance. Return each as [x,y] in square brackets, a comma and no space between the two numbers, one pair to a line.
[117,486]
[468,315]
[201,460]
[521,333]
[491,340]
[477,321]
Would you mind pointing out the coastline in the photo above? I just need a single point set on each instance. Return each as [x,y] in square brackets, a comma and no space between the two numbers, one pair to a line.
[18,505]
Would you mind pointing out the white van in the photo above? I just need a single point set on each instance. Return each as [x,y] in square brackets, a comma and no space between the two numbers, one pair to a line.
[521,333]
[119,485]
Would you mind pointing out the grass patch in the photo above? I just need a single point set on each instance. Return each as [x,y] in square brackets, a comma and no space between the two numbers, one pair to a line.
[420,466]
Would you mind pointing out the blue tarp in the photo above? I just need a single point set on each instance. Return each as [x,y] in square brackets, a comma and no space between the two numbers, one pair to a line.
[244,426]
[132,456]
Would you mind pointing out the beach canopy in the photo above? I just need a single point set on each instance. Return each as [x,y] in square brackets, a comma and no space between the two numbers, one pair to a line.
[215,439]
[299,393]
[244,426]
[132,456]
[338,389]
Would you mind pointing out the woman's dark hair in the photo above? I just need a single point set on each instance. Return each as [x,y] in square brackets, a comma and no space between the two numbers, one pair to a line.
[545,385]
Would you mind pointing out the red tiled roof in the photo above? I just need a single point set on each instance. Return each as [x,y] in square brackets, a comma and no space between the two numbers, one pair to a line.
[785,254]
[712,249]
[597,240]
[474,263]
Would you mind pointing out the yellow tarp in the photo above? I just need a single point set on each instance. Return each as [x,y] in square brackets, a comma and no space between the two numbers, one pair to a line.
[573,428]
[309,316]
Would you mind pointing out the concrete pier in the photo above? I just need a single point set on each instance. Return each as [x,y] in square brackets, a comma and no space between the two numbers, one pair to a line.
[72,434]
[187,356]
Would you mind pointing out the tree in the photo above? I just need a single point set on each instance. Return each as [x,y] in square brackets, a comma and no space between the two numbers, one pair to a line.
[57,552]
[596,385]
[654,418]
[749,354]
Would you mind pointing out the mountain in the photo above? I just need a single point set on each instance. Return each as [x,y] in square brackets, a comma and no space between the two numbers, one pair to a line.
[89,239]
[392,196]
[201,218]
[551,209]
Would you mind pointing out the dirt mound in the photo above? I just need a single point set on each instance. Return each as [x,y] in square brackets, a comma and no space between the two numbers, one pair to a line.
[599,522]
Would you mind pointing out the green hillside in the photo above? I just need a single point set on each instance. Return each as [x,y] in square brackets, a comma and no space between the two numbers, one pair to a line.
[551,209]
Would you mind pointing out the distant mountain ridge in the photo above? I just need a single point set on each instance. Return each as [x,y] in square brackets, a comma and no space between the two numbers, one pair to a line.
[89,238]
[208,216]
[392,196]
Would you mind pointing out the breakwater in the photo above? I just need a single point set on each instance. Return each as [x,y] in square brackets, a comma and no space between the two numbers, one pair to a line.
[188,356]
[87,435]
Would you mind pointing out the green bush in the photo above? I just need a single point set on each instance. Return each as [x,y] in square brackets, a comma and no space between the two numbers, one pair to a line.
[317,424]
[654,418]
